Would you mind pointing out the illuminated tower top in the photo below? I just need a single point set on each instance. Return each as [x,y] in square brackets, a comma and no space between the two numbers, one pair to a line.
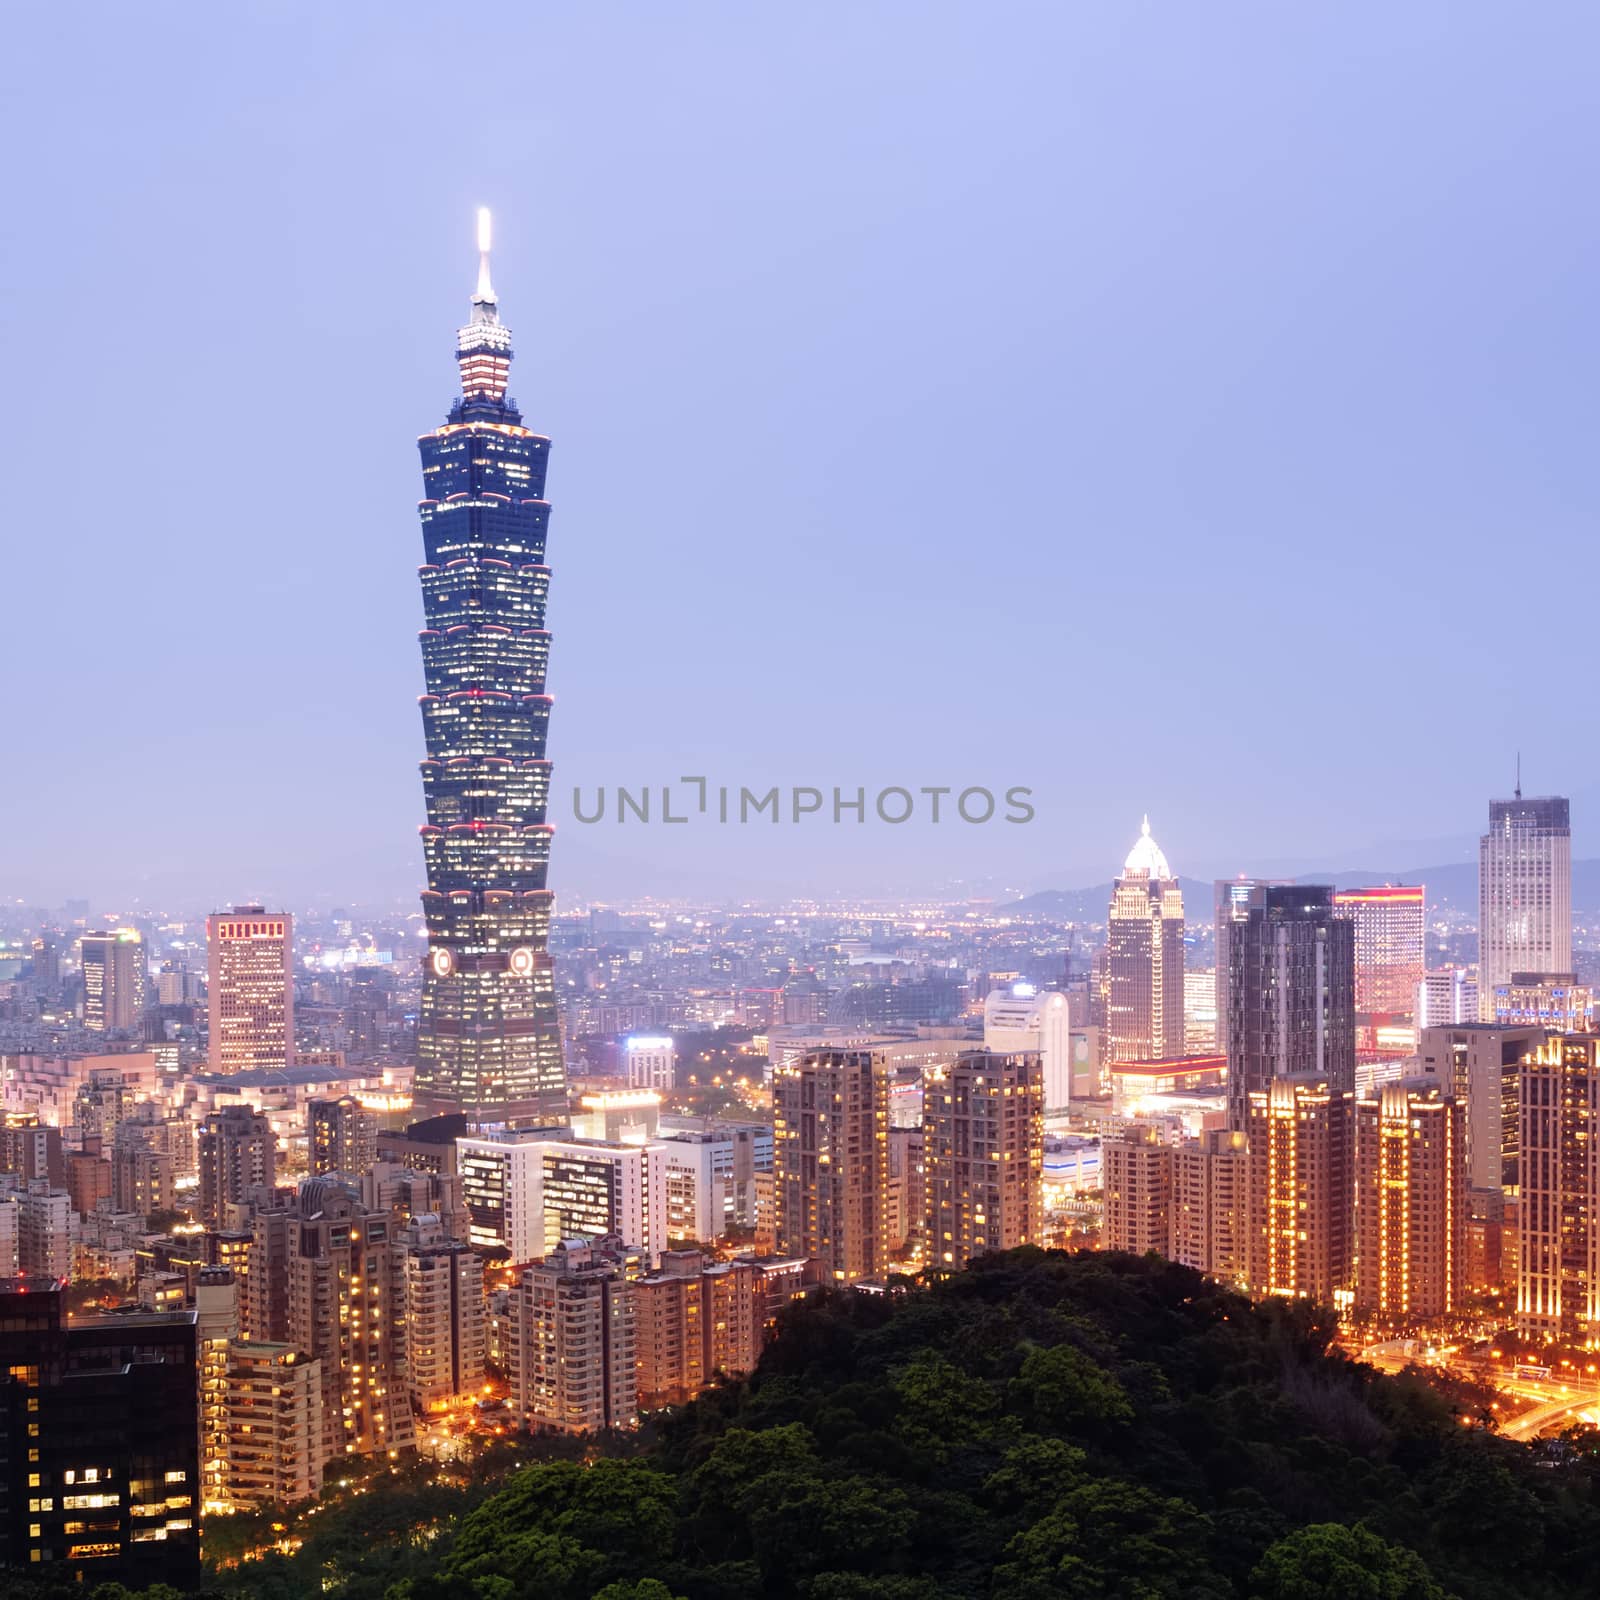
[483,347]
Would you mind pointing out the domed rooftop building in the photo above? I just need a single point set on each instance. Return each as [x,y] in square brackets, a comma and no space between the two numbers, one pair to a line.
[1144,958]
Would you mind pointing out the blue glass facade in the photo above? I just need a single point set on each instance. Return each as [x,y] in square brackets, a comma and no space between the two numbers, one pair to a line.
[489,1043]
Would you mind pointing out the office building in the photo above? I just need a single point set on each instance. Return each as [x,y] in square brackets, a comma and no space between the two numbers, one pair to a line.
[1021,1017]
[341,1136]
[1390,922]
[1291,993]
[1210,1204]
[1136,1171]
[1230,907]
[650,1062]
[113,970]
[99,1443]
[983,1155]
[1410,1203]
[502,1187]
[831,1161]
[1555,1001]
[1144,958]
[1558,1215]
[1299,1143]
[1524,893]
[489,1043]
[574,1339]
[1199,1011]
[238,1151]
[250,989]
[1446,998]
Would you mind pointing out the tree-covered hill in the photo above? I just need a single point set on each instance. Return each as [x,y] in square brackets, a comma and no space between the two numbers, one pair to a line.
[1044,1426]
[1041,1426]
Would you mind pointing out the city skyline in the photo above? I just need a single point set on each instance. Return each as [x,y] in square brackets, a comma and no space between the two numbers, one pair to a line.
[1123,349]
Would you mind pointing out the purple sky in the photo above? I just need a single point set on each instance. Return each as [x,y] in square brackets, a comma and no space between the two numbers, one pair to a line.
[1174,409]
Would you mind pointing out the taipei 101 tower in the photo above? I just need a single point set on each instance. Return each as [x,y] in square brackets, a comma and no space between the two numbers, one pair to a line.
[488,1043]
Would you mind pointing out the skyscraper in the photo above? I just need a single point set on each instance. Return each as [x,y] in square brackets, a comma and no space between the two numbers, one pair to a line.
[250,989]
[1230,907]
[1524,893]
[1390,922]
[488,1042]
[237,1152]
[1144,958]
[1291,993]
[113,966]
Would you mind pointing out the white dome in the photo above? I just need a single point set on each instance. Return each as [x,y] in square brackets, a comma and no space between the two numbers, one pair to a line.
[1146,859]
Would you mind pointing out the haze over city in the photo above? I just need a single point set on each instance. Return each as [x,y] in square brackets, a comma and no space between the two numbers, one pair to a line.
[798,804]
[1007,395]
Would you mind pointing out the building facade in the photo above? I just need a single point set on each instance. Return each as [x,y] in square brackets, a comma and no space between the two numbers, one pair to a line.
[1390,922]
[113,969]
[1524,893]
[574,1339]
[1136,1175]
[1144,958]
[831,1161]
[238,1151]
[1299,1141]
[1558,1215]
[1410,1203]
[489,1042]
[983,1155]
[1291,993]
[250,989]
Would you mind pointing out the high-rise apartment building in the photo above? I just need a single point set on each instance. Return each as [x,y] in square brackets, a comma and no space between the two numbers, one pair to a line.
[1144,958]
[99,1442]
[574,1339]
[341,1136]
[113,969]
[831,1161]
[444,1315]
[47,1231]
[1136,1176]
[1209,1204]
[1291,993]
[262,1432]
[1410,1202]
[1300,1163]
[1524,893]
[344,1306]
[697,1319]
[983,1154]
[237,1151]
[250,989]
[1558,1217]
[1390,922]
[489,1043]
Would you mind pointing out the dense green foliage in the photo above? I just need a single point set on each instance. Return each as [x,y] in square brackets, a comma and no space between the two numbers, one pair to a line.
[1044,1425]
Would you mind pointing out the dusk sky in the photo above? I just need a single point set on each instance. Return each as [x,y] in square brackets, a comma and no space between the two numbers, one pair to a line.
[1182,410]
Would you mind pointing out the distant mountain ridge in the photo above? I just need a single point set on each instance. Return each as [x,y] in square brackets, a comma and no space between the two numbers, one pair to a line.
[1453,885]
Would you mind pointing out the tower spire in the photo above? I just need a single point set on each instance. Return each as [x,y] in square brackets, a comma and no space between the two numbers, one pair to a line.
[483,297]
[1519,775]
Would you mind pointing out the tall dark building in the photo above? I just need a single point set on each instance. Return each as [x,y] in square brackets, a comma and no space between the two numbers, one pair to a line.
[99,1442]
[1291,993]
[489,1044]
